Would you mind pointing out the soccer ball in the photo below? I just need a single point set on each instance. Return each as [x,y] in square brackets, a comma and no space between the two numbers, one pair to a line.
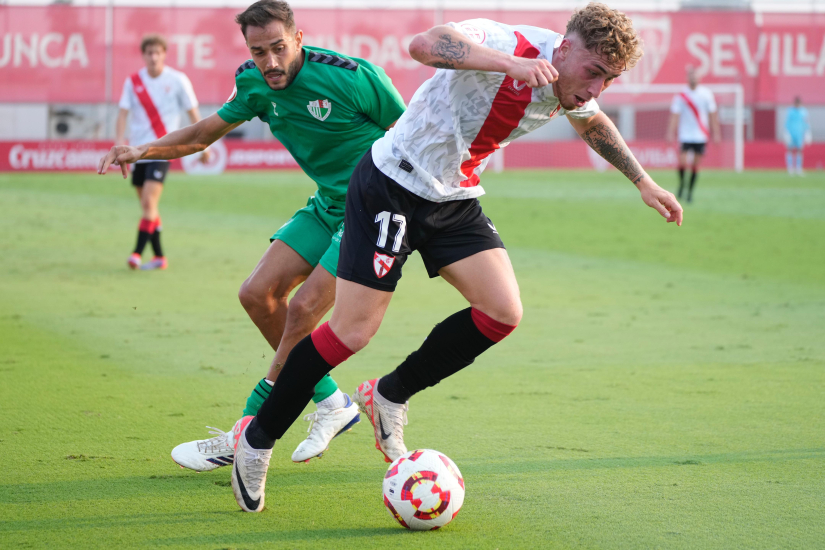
[423,490]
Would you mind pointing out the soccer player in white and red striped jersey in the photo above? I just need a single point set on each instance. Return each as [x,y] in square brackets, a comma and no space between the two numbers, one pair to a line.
[151,103]
[417,189]
[693,111]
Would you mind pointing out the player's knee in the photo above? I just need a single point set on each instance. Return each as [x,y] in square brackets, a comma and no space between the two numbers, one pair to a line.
[356,336]
[499,327]
[255,297]
[506,310]
[511,314]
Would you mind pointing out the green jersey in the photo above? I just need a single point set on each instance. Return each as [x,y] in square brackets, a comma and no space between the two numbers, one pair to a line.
[327,118]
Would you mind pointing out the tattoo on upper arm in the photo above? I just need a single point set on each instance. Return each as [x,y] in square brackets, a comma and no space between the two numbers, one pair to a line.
[453,53]
[606,141]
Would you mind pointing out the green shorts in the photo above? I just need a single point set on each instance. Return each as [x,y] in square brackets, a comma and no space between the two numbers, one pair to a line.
[315,232]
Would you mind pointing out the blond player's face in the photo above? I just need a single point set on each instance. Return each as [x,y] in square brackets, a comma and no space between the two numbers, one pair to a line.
[583,74]
[276,52]
[154,57]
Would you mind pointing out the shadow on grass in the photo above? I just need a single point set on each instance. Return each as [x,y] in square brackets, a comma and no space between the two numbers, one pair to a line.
[293,535]
[174,483]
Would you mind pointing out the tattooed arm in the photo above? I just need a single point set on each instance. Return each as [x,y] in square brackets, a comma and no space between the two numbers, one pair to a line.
[602,136]
[443,47]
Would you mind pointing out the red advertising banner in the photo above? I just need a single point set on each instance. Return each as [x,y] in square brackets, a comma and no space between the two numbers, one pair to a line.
[52,54]
[58,53]
[228,154]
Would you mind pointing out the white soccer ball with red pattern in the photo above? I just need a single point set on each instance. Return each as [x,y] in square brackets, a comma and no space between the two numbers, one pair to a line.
[423,490]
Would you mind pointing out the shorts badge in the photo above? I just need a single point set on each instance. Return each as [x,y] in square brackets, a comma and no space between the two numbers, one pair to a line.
[382,264]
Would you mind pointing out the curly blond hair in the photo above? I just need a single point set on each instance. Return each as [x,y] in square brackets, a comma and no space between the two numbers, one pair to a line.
[607,32]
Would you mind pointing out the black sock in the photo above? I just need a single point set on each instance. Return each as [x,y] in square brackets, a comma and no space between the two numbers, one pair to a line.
[293,389]
[451,345]
[681,182]
[692,181]
[143,238]
[156,243]
[257,438]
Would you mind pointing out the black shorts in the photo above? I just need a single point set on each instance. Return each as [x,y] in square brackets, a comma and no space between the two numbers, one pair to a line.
[384,223]
[155,170]
[698,148]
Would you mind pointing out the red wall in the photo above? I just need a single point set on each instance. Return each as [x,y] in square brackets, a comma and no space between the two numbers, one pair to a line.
[58,53]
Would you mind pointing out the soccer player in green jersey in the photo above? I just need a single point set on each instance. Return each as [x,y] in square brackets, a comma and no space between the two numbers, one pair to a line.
[326,109]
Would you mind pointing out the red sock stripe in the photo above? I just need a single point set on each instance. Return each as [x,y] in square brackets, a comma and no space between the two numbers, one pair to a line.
[149,226]
[489,327]
[331,348]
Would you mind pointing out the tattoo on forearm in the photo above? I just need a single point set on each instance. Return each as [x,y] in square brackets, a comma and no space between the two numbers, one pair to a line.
[453,53]
[606,141]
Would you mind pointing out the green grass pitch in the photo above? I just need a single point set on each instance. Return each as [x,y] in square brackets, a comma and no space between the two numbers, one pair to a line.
[664,390]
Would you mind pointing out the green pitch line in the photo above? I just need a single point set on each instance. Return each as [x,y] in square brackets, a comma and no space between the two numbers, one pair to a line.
[663,390]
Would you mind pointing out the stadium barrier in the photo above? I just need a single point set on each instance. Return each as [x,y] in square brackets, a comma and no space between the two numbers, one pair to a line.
[228,154]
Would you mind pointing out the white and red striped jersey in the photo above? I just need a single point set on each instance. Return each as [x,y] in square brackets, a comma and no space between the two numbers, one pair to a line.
[457,119]
[169,93]
[693,108]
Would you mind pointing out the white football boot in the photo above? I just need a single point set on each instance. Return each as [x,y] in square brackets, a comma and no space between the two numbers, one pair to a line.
[325,425]
[207,454]
[249,471]
[388,419]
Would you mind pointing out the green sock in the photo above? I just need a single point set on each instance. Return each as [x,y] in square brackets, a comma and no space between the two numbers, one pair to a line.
[257,398]
[324,388]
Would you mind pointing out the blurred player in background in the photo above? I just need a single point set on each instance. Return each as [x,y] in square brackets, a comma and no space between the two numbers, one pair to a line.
[691,111]
[417,188]
[797,136]
[327,110]
[151,103]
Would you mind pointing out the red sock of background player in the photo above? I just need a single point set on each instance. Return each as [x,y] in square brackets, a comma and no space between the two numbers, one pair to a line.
[145,230]
[309,361]
[451,345]
[156,239]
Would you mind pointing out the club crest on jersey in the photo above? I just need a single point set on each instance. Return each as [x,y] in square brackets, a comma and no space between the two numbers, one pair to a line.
[382,263]
[518,86]
[320,108]
[473,33]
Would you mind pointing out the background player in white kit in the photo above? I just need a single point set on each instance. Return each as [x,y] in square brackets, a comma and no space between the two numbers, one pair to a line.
[152,101]
[693,111]
[417,189]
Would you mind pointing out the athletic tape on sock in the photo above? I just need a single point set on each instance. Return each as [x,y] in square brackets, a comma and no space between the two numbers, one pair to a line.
[489,327]
[329,346]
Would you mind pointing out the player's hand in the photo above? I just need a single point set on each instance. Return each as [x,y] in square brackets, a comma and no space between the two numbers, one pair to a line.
[664,202]
[119,155]
[206,154]
[533,72]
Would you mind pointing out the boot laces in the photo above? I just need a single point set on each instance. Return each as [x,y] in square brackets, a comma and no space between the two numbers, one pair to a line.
[218,444]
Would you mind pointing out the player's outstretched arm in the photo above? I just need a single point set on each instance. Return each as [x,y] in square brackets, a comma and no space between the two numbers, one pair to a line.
[672,124]
[443,47]
[714,126]
[602,136]
[180,143]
